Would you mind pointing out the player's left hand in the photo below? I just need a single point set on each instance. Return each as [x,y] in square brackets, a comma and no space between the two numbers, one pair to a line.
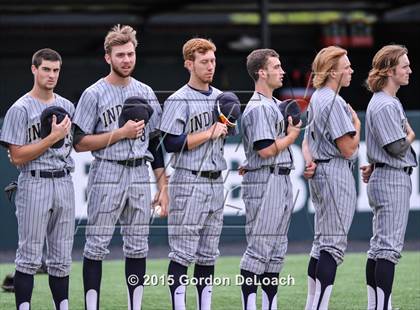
[162,199]
[309,171]
[366,172]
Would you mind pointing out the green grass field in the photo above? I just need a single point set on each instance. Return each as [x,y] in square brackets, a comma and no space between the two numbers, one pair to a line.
[349,291]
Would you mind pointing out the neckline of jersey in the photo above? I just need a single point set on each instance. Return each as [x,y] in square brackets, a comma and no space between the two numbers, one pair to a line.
[203,92]
[37,100]
[117,86]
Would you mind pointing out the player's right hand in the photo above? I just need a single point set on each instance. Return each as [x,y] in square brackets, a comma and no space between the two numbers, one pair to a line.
[217,130]
[59,131]
[309,171]
[161,202]
[366,172]
[293,130]
[133,129]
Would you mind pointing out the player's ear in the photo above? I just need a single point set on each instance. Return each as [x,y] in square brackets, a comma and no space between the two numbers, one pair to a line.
[33,69]
[261,73]
[390,72]
[188,65]
[108,58]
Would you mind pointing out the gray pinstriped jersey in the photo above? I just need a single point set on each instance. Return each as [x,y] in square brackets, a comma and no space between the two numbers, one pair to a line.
[329,118]
[263,120]
[385,123]
[98,111]
[22,125]
[189,111]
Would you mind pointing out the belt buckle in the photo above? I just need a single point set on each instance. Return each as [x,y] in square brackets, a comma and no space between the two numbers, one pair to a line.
[278,170]
[131,162]
[57,173]
[135,162]
[214,174]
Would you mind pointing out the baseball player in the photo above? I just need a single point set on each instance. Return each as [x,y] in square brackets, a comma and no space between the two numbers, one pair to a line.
[45,195]
[196,193]
[388,139]
[329,148]
[267,189]
[118,185]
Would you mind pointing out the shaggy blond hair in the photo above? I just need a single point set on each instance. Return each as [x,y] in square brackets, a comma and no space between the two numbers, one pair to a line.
[325,61]
[119,35]
[385,59]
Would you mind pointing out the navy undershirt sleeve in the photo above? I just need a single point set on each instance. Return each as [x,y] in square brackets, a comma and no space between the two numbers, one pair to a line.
[78,134]
[175,143]
[262,144]
[155,147]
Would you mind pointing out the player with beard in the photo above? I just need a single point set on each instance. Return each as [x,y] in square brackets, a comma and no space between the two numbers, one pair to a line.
[196,140]
[119,186]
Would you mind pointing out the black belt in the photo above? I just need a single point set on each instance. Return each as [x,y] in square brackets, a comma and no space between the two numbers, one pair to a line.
[408,170]
[50,174]
[280,170]
[208,174]
[132,162]
[317,161]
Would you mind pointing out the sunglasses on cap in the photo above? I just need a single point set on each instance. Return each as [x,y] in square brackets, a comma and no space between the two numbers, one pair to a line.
[222,118]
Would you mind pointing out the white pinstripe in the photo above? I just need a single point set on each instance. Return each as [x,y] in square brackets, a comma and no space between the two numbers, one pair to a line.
[195,218]
[117,193]
[44,207]
[269,205]
[182,114]
[333,193]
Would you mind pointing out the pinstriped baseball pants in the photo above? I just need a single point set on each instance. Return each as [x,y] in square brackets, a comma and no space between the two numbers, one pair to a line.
[45,211]
[333,193]
[195,218]
[117,193]
[268,202]
[389,193]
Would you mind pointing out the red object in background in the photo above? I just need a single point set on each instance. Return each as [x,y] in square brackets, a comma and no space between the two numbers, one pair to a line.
[302,95]
[361,35]
[303,104]
[296,74]
[335,34]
